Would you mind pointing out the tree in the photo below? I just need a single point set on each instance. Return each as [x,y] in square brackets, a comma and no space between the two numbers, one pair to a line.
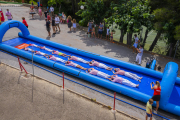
[93,10]
[53,2]
[166,21]
[130,16]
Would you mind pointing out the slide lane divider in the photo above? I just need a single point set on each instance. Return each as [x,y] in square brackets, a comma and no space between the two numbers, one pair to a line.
[84,85]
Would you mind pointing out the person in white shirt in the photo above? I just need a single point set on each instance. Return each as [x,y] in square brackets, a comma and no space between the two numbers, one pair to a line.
[52,10]
[135,43]
[57,20]
[107,33]
[140,54]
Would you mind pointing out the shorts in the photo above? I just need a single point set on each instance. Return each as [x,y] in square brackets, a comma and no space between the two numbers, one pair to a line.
[102,66]
[57,24]
[156,97]
[135,45]
[89,29]
[99,32]
[48,29]
[149,115]
[103,75]
[111,36]
[75,65]
[9,19]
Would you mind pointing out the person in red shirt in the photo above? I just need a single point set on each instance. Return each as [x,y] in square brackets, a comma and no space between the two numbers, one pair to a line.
[24,22]
[157,93]
[48,17]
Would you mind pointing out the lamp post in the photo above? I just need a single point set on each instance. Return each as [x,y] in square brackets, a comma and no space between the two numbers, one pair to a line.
[82,7]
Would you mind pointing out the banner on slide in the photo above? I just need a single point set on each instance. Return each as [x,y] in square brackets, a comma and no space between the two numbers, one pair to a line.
[21,46]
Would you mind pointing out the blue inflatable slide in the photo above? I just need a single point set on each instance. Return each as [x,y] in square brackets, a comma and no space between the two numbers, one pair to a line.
[170,83]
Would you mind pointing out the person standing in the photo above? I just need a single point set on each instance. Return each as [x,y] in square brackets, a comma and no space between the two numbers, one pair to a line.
[45,13]
[2,15]
[40,12]
[74,24]
[135,43]
[24,22]
[0,19]
[157,93]
[48,27]
[48,17]
[149,109]
[69,22]
[107,33]
[38,4]
[93,32]
[9,15]
[53,25]
[100,30]
[90,23]
[140,54]
[57,20]
[32,12]
[52,11]
[111,37]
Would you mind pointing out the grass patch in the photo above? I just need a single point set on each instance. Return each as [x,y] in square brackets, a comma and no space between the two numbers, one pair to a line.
[4,2]
[160,47]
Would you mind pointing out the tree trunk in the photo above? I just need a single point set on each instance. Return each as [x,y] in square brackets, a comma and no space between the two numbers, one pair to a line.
[73,7]
[145,37]
[155,41]
[60,8]
[122,36]
[129,38]
[170,51]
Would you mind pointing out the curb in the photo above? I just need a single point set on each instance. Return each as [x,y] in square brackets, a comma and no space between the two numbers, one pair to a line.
[81,95]
[10,5]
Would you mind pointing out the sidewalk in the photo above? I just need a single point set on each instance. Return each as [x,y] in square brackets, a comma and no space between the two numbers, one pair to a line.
[16,102]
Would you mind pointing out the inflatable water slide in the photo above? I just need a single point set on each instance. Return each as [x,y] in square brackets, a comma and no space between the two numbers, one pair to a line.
[170,83]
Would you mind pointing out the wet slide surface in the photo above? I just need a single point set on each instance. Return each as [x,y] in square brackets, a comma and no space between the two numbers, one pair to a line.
[144,86]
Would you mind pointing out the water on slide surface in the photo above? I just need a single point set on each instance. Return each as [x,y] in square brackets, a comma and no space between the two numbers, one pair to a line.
[144,86]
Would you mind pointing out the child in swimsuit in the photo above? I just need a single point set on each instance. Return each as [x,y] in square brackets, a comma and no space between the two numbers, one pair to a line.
[93,31]
[33,45]
[59,53]
[70,63]
[116,79]
[77,59]
[97,64]
[112,32]
[28,49]
[39,53]
[44,48]
[52,57]
[127,74]
[97,73]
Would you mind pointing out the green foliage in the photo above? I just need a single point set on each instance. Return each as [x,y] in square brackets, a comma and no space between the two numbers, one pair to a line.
[93,10]
[52,2]
[34,2]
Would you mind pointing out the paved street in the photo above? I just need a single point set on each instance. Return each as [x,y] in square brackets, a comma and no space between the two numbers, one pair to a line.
[79,40]
[16,101]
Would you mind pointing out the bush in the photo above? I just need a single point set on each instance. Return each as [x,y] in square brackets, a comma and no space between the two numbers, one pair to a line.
[34,2]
